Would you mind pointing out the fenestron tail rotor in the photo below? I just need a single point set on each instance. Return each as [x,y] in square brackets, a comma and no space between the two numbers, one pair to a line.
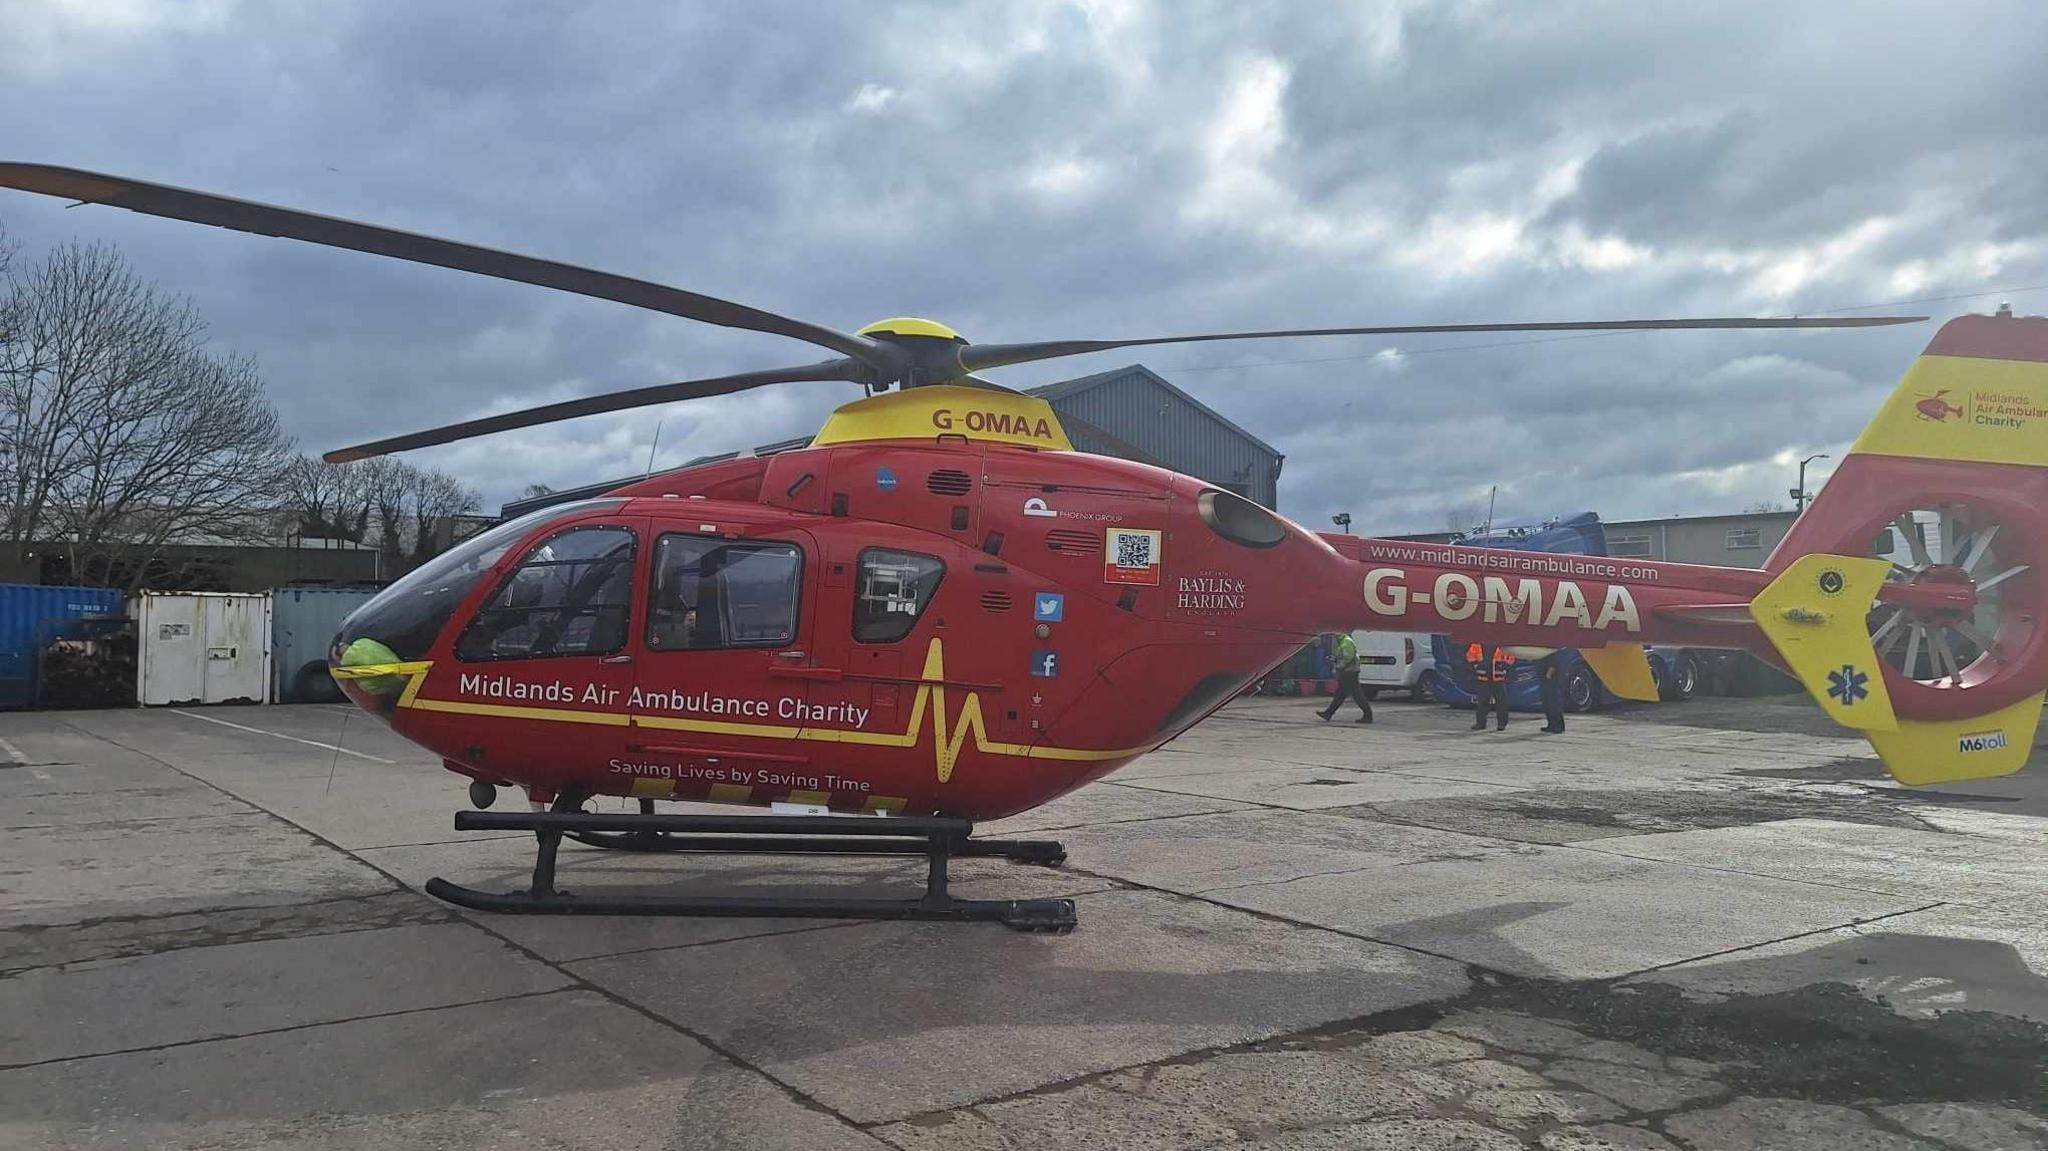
[903,352]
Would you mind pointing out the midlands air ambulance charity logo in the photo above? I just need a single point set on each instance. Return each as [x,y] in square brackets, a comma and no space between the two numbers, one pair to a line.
[1936,409]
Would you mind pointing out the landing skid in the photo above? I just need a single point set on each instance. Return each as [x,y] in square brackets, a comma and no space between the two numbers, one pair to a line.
[894,841]
[938,840]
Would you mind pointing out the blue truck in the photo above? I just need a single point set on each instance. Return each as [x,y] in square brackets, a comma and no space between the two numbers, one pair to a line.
[1450,681]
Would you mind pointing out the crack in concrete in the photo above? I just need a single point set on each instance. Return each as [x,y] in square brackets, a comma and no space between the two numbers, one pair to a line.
[173,1045]
[577,982]
[1781,939]
[269,922]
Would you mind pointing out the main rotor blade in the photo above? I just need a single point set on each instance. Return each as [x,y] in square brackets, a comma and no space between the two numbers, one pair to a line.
[977,357]
[290,223]
[843,369]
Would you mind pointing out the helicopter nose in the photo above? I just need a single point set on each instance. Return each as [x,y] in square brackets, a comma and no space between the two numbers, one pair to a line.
[365,670]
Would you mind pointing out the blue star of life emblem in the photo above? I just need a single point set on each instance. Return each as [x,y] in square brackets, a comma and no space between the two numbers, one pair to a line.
[1848,685]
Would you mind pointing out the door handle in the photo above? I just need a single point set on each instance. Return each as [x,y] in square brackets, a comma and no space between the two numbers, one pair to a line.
[826,674]
[616,659]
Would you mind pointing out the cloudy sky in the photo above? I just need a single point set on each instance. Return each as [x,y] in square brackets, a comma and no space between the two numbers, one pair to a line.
[1025,170]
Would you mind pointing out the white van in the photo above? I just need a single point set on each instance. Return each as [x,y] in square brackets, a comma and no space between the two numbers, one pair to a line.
[1393,661]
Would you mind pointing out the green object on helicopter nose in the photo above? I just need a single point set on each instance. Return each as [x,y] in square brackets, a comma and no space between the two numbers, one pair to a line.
[367,652]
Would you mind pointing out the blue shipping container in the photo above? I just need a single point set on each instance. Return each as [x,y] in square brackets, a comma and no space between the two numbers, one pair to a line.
[33,616]
[303,622]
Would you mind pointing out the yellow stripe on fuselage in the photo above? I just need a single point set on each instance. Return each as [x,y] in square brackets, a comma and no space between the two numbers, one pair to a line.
[949,737]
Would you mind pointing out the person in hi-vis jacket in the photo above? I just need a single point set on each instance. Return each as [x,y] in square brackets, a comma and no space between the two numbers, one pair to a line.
[1347,682]
[1490,668]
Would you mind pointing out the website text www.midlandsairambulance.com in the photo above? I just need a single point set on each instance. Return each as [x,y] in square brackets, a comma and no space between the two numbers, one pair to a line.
[1524,563]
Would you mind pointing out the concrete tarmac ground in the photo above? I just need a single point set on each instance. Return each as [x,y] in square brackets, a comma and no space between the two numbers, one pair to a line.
[1709,925]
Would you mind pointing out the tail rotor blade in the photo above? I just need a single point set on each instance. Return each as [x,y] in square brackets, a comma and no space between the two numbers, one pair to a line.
[842,369]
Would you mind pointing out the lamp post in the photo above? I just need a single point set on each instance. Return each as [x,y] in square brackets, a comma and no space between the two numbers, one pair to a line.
[1342,520]
[1798,494]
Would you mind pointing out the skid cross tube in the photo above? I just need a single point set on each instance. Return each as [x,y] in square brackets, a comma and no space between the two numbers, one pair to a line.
[937,839]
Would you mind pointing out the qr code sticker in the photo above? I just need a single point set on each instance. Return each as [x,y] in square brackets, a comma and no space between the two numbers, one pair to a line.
[1132,557]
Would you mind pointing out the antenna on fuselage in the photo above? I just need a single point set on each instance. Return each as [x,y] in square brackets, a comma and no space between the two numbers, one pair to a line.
[652,446]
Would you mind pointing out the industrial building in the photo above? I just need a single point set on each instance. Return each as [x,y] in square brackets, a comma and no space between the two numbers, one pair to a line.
[210,566]
[1742,540]
[1131,412]
[1135,413]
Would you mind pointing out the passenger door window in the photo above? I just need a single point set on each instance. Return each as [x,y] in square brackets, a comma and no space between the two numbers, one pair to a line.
[714,593]
[571,596]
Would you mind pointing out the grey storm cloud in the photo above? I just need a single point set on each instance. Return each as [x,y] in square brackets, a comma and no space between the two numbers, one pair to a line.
[1106,168]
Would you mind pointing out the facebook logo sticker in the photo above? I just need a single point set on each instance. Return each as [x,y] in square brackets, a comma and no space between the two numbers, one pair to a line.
[1045,664]
[1048,607]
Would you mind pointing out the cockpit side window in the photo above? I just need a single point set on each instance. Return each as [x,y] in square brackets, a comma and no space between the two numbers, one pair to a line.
[893,591]
[570,596]
[716,593]
[405,619]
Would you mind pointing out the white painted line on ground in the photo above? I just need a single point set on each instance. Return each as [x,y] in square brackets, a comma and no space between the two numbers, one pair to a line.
[21,760]
[281,735]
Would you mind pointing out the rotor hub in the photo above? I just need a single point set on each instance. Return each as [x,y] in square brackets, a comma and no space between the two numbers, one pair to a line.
[901,327]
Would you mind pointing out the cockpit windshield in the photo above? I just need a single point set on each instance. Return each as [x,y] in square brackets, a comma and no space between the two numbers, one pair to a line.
[406,618]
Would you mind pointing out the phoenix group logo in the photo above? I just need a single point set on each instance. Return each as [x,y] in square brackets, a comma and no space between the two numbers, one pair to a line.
[1848,685]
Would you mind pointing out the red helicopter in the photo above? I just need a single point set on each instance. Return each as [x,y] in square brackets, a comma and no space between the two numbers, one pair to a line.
[941,612]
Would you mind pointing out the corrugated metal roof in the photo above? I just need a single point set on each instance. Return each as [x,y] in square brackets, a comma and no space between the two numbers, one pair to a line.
[1145,410]
[1066,388]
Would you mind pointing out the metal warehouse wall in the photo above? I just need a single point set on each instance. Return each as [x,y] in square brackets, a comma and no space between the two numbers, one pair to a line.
[1138,406]
[1701,539]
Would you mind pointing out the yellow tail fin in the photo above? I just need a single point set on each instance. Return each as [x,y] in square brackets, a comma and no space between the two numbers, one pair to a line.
[1624,668]
[1946,751]
[1814,614]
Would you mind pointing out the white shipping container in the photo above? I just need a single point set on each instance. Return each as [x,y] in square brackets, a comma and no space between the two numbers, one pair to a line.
[203,647]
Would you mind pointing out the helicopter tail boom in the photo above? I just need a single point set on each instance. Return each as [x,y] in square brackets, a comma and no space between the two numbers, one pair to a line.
[1934,647]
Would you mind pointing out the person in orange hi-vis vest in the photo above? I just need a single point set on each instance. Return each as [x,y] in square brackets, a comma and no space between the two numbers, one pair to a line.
[1490,668]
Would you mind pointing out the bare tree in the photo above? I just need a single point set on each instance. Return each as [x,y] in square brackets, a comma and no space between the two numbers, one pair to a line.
[1461,518]
[437,499]
[122,432]
[328,501]
[386,482]
[409,514]
[7,300]
[535,491]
